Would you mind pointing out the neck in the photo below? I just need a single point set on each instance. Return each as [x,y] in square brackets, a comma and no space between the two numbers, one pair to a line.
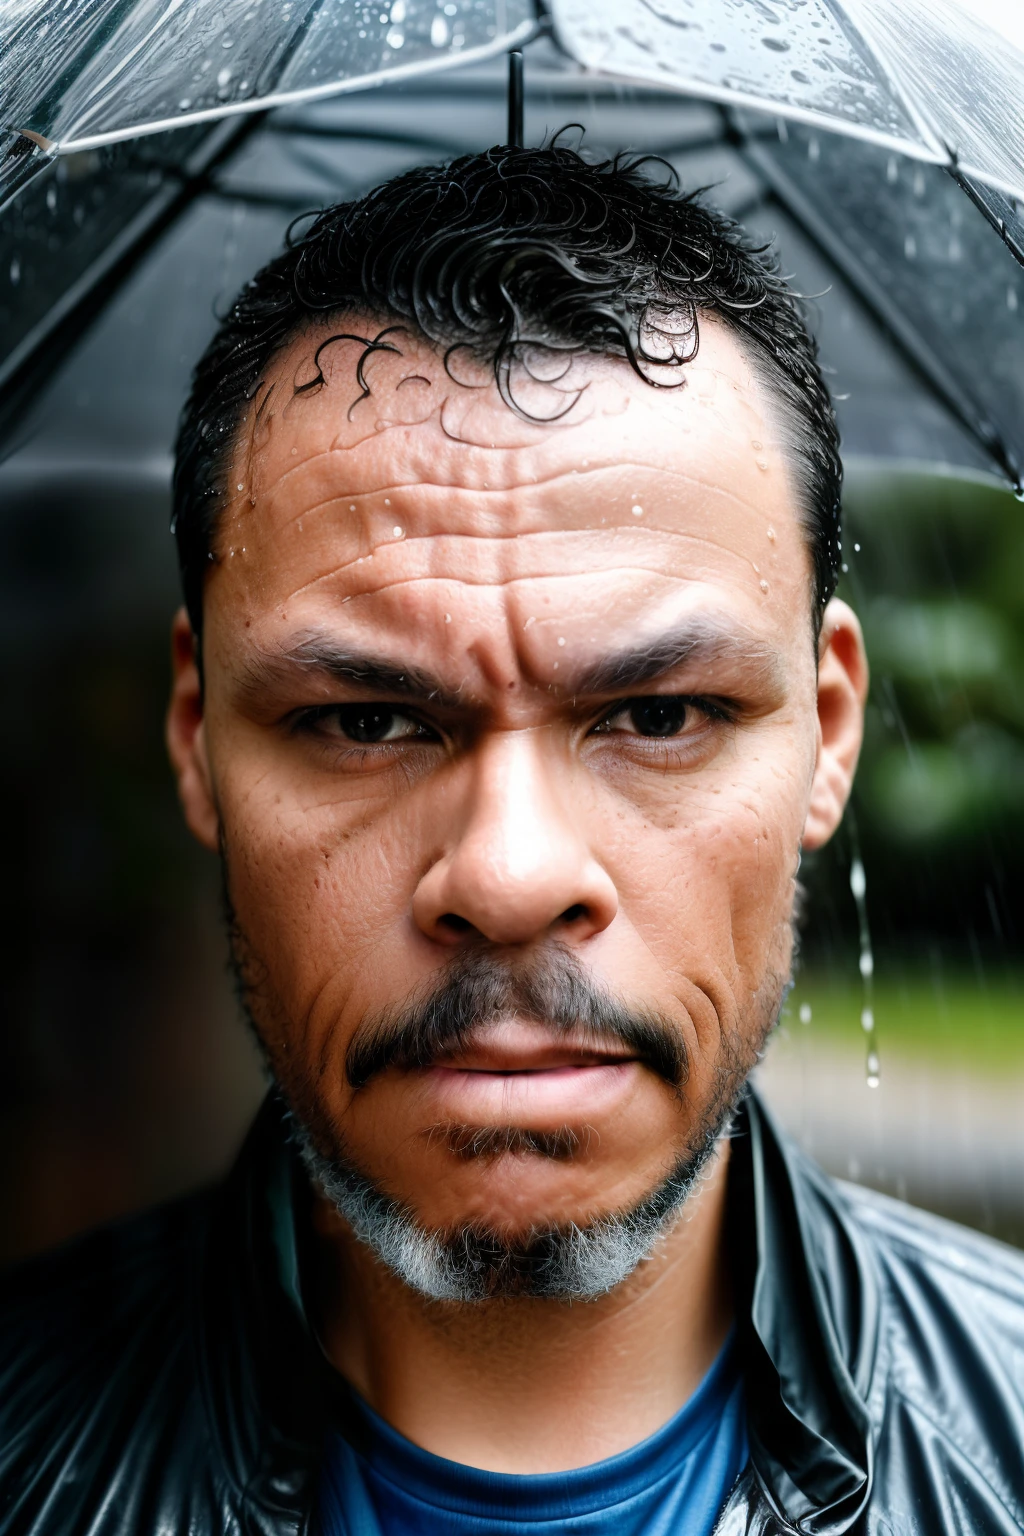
[500,1384]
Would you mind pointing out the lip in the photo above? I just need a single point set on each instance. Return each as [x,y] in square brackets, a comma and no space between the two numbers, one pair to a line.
[520,1071]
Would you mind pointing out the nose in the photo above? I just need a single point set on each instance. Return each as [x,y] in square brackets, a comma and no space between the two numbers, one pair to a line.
[519,867]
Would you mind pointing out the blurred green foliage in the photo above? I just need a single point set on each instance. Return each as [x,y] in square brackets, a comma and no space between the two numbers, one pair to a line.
[935,568]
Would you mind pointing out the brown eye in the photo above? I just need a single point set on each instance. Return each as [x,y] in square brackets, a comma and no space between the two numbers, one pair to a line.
[373,723]
[657,716]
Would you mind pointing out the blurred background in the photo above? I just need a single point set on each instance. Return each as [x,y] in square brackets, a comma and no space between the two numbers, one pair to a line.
[126,1074]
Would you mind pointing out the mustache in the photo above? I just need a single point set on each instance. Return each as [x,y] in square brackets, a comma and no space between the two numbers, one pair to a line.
[479,988]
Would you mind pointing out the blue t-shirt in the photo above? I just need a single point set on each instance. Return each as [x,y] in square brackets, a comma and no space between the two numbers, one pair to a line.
[672,1484]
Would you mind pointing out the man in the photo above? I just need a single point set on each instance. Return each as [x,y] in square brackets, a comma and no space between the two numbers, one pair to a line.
[509,686]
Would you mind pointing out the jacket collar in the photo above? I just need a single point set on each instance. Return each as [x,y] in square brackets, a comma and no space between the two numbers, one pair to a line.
[808,1327]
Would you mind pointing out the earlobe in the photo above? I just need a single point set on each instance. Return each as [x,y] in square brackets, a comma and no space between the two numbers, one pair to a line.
[186,737]
[842,691]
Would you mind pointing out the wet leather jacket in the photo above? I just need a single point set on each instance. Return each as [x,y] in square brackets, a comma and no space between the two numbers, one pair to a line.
[159,1377]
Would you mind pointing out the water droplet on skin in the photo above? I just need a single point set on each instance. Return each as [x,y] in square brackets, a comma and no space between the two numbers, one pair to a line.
[762,464]
[805,1013]
[447,618]
[561,639]
[351,506]
[387,501]
[294,452]
[555,668]
[771,535]
[638,511]
[241,485]
[764,586]
[397,531]
[530,620]
[757,446]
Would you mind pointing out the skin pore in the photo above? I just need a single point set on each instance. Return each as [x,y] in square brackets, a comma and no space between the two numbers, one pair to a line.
[470,682]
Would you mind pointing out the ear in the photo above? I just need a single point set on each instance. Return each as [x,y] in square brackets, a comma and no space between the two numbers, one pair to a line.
[842,691]
[186,738]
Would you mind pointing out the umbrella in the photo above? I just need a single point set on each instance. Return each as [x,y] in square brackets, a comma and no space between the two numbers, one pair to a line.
[884,146]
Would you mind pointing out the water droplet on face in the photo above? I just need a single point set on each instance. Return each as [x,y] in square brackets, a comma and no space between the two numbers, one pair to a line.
[294,452]
[756,445]
[561,639]
[638,510]
[530,620]
[241,486]
[762,463]
[805,1013]
[447,618]
[764,586]
[397,531]
[771,535]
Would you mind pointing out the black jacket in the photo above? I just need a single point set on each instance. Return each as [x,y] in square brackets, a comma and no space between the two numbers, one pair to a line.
[159,1377]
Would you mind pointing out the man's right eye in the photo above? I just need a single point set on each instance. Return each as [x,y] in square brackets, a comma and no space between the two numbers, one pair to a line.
[367,723]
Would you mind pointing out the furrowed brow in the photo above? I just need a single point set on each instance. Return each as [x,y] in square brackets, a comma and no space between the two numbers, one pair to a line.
[706,645]
[320,655]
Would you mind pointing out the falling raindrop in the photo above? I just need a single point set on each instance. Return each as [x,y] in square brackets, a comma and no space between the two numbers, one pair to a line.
[866,964]
[438,32]
[909,247]
[15,271]
[805,1013]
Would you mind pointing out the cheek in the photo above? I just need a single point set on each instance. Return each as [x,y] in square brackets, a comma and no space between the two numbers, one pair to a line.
[706,870]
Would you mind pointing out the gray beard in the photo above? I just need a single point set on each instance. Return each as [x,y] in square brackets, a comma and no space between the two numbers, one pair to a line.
[566,1263]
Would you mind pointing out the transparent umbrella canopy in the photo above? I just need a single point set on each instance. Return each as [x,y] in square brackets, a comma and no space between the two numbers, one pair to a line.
[891,135]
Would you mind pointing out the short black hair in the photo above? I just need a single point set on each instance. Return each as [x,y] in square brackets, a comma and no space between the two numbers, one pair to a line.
[501,252]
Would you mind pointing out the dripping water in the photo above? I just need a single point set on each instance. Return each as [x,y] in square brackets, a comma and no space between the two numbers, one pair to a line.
[858,888]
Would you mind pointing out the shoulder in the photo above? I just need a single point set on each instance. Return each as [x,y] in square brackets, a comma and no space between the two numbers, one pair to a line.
[95,1343]
[952,1315]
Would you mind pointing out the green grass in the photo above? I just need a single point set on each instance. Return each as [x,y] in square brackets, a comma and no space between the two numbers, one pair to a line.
[954,1019]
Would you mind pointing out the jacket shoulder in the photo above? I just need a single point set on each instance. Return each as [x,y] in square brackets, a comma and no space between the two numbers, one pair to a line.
[94,1345]
[953,1321]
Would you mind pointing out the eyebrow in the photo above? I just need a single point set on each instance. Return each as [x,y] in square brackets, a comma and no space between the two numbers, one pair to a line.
[319,653]
[702,642]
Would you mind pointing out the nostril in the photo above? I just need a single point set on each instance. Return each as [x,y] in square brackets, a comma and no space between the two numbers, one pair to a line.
[454,923]
[574,913]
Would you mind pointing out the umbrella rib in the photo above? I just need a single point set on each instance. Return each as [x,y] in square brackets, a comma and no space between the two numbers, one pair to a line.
[903,336]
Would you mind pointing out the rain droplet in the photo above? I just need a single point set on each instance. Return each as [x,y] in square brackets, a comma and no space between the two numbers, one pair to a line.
[764,586]
[395,37]
[241,485]
[867,1019]
[909,247]
[351,506]
[874,1069]
[858,880]
[184,103]
[813,149]
[762,464]
[1011,300]
[397,531]
[867,963]
[805,1013]
[224,75]
[387,501]
[756,445]
[561,639]
[638,510]
[892,170]
[447,618]
[15,271]
[776,44]
[438,32]
[771,534]
[530,620]
[51,198]
[856,549]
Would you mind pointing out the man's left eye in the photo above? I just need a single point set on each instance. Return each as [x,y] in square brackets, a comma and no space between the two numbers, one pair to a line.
[653,717]
[369,723]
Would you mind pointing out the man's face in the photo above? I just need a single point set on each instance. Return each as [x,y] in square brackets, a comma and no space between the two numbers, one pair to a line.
[479,686]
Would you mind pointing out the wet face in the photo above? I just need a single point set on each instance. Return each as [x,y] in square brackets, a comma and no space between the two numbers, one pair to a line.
[482,690]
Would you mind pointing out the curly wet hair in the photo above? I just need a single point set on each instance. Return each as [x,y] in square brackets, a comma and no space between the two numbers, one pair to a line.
[504,253]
